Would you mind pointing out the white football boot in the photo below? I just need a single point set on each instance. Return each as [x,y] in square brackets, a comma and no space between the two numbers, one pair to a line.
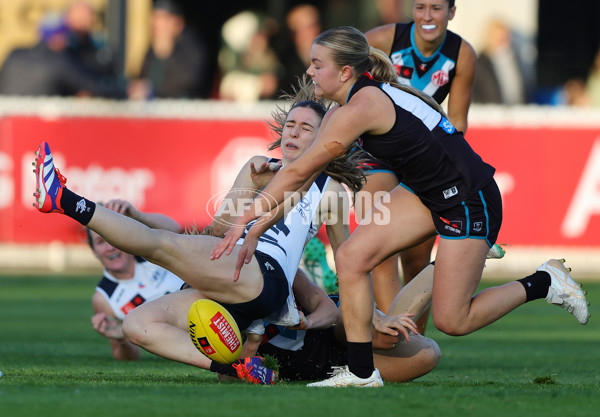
[564,291]
[342,377]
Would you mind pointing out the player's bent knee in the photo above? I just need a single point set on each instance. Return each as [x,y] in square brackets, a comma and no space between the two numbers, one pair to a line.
[423,360]
[449,326]
[434,353]
[133,329]
[427,358]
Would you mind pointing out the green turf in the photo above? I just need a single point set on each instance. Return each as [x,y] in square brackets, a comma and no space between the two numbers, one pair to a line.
[537,361]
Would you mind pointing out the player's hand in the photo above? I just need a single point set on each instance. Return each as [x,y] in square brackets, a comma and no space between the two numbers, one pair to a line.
[264,174]
[384,341]
[396,325]
[228,242]
[123,207]
[303,325]
[107,326]
[245,255]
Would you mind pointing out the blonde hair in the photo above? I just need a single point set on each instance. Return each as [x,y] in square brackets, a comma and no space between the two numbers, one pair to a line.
[350,47]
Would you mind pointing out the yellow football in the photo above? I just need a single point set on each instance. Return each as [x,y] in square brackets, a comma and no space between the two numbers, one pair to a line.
[214,331]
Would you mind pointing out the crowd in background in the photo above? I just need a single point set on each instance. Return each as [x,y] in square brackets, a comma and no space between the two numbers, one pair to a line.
[258,57]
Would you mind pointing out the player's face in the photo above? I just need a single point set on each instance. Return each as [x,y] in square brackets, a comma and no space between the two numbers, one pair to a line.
[324,72]
[114,260]
[431,18]
[299,132]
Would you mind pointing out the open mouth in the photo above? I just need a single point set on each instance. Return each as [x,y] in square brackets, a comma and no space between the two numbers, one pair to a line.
[428,27]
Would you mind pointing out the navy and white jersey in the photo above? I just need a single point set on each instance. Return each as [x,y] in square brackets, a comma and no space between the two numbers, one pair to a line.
[285,242]
[433,75]
[149,282]
[424,149]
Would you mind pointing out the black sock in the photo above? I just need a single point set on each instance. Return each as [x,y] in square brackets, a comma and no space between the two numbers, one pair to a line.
[360,359]
[224,369]
[536,285]
[77,207]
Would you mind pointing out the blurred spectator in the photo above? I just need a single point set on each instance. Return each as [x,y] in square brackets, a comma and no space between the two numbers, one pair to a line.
[249,66]
[499,74]
[177,62]
[47,69]
[574,93]
[593,82]
[391,11]
[303,24]
[88,45]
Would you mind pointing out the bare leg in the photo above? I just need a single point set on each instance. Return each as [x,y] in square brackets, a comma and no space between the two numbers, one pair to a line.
[458,268]
[184,255]
[415,297]
[386,275]
[414,260]
[408,360]
[368,245]
[160,327]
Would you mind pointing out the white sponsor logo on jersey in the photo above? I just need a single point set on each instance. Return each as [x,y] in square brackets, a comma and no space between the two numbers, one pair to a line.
[450,192]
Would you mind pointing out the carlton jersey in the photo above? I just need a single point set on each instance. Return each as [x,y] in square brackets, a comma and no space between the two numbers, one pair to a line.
[433,75]
[425,151]
[149,282]
[285,241]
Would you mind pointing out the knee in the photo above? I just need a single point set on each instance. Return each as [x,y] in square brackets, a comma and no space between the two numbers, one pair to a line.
[428,357]
[446,324]
[351,259]
[133,328]
[432,353]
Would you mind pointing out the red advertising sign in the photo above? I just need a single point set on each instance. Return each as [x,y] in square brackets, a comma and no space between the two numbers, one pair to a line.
[550,183]
[168,166]
[549,176]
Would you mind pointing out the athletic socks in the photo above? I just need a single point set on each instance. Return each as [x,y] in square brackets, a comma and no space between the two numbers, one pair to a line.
[225,369]
[536,285]
[77,207]
[360,359]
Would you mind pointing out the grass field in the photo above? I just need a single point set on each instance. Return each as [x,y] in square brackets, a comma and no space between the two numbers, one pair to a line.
[537,361]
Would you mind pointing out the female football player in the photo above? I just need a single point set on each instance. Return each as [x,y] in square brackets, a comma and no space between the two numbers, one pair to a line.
[429,57]
[447,188]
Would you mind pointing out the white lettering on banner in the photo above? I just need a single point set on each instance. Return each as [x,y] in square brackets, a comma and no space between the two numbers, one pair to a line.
[102,184]
[95,182]
[7,185]
[586,202]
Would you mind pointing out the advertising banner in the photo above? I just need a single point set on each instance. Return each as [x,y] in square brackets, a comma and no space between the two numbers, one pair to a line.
[549,176]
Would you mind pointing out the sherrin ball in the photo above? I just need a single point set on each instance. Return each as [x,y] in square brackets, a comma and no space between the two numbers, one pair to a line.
[214,332]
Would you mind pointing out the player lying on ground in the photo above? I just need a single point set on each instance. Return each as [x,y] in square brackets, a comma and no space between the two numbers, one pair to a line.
[127,281]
